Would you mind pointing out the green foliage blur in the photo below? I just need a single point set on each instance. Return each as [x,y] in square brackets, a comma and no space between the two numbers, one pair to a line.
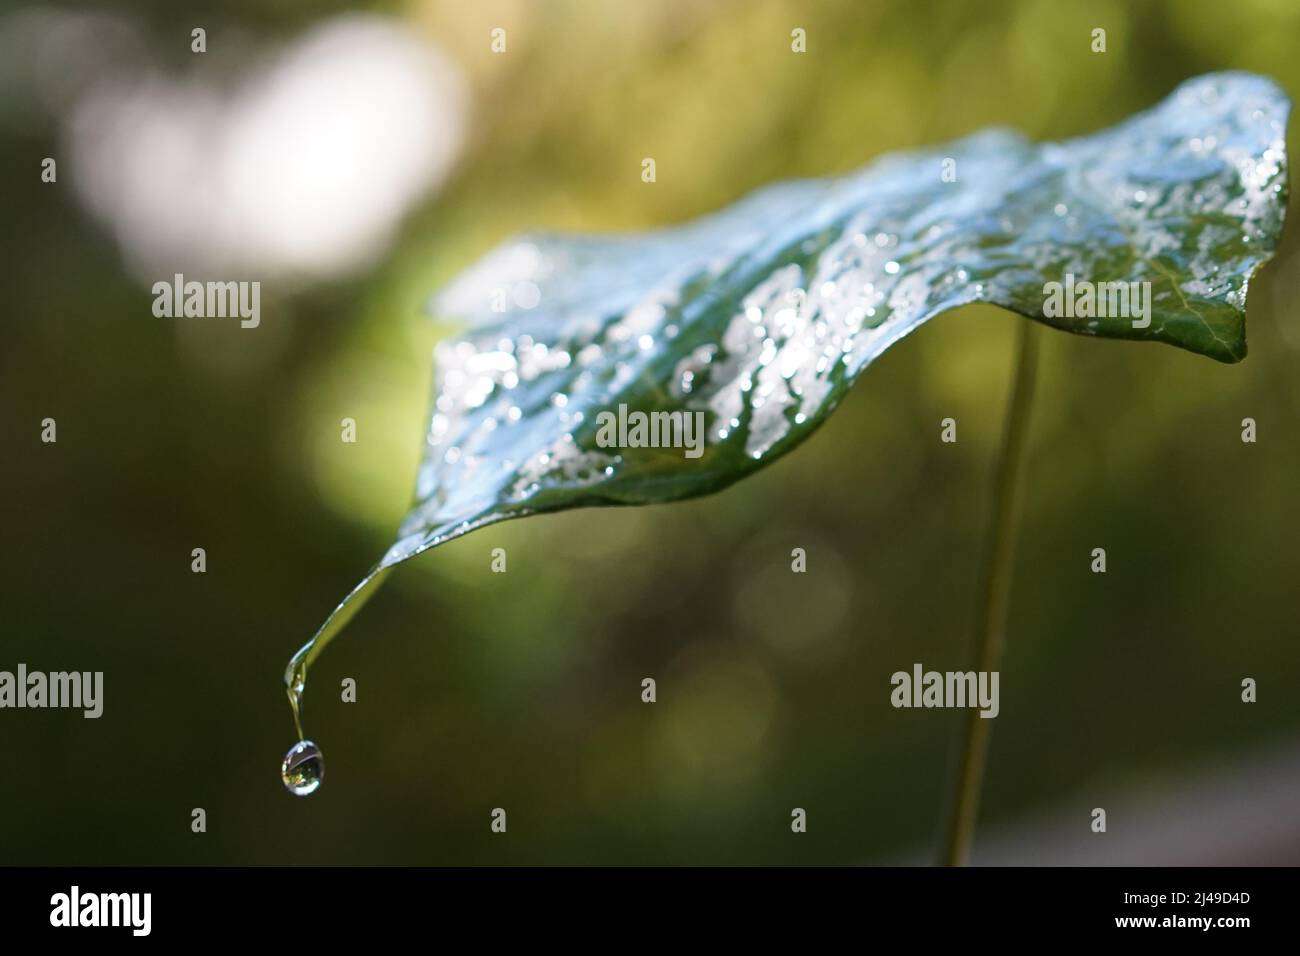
[522,690]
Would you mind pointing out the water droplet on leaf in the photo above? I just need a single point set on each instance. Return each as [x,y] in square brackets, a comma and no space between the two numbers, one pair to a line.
[303,768]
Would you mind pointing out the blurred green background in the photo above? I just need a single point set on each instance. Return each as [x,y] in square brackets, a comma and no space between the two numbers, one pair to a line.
[522,691]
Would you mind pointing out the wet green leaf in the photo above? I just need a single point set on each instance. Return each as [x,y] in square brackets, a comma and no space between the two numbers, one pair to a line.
[754,321]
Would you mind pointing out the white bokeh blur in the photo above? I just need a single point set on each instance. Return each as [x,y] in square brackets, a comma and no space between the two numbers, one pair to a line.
[296,163]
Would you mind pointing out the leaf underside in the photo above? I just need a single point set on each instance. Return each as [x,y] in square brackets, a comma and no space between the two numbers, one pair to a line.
[762,315]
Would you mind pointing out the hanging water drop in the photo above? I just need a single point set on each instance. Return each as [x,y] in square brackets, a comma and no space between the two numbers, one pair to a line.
[303,768]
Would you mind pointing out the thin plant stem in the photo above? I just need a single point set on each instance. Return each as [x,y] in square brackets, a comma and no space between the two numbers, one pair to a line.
[991,624]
